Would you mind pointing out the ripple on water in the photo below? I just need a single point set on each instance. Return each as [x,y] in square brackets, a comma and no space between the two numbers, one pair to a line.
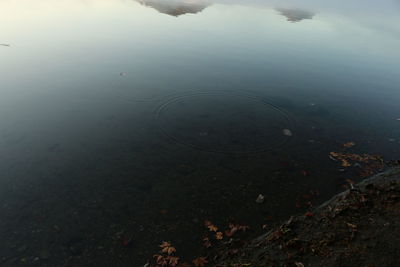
[224,122]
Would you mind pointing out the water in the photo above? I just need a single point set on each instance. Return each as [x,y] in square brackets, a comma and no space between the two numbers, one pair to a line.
[128,123]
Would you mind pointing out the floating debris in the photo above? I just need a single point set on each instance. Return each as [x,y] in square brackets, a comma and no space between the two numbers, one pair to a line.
[287,132]
[349,144]
[371,163]
[5,45]
[260,199]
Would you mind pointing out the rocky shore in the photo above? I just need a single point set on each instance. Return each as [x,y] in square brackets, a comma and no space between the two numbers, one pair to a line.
[359,227]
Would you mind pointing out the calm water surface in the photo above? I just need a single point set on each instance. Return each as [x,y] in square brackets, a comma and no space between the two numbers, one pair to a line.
[126,123]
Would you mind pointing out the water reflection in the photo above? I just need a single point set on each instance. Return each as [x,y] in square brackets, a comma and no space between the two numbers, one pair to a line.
[295,15]
[111,112]
[175,8]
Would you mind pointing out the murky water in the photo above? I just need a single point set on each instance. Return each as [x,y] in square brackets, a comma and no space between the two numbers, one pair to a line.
[127,123]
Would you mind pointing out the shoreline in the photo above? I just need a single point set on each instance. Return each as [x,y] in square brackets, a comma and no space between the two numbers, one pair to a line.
[358,227]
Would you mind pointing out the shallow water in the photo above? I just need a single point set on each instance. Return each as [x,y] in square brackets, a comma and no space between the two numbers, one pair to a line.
[127,123]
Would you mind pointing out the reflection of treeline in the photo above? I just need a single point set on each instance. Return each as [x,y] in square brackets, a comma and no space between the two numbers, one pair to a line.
[295,15]
[174,8]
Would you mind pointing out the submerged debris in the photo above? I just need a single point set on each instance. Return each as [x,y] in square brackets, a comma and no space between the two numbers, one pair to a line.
[349,144]
[260,199]
[371,163]
[287,132]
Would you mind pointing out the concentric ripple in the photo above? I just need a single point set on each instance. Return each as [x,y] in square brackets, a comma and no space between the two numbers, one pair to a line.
[224,123]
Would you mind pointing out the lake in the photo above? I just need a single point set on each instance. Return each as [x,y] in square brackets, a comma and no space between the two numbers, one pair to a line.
[127,123]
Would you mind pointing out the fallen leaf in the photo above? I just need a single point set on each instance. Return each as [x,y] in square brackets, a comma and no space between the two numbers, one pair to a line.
[211,226]
[345,163]
[352,225]
[173,261]
[219,236]
[161,260]
[231,231]
[200,261]
[167,248]
[349,144]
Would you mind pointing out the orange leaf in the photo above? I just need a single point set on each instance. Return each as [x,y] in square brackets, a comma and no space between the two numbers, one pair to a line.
[345,163]
[210,226]
[213,228]
[161,260]
[349,144]
[167,248]
[219,236]
[173,261]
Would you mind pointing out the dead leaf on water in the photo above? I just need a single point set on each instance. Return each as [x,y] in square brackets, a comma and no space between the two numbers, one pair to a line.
[349,144]
[166,247]
[219,236]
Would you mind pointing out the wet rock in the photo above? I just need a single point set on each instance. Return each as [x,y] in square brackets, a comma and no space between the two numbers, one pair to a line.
[287,132]
[260,199]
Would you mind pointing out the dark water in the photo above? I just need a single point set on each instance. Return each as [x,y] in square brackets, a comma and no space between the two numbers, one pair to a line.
[124,123]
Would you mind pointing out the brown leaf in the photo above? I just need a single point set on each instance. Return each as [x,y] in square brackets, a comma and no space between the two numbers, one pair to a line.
[173,261]
[210,226]
[352,225]
[200,261]
[231,231]
[345,163]
[219,235]
[167,248]
[161,260]
[349,144]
